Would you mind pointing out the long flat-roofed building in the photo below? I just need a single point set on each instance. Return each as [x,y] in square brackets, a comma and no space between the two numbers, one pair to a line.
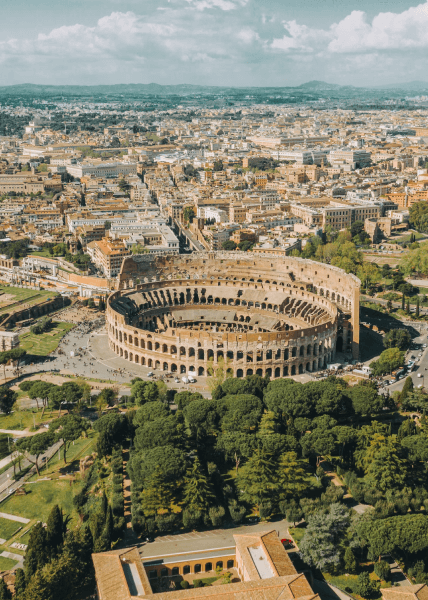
[260,566]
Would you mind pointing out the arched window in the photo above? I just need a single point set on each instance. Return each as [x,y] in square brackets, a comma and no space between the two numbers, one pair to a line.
[230,564]
[186,569]
[198,568]
[208,566]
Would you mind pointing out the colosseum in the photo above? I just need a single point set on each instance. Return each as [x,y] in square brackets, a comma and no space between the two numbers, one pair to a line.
[281,316]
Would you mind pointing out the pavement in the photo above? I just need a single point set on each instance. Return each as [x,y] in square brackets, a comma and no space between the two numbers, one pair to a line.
[421,364]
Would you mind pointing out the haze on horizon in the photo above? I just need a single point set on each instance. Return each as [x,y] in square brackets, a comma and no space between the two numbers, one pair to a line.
[213,42]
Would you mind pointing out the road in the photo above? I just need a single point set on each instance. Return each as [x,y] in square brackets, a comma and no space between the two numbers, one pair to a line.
[421,365]
[7,485]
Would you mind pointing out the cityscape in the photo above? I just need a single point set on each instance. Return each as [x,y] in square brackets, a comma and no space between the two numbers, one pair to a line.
[213,301]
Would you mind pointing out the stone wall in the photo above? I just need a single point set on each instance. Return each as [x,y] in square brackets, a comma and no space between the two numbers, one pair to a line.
[320,302]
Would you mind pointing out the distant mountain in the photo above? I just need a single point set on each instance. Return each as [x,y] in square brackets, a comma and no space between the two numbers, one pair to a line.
[414,86]
[89,90]
[321,85]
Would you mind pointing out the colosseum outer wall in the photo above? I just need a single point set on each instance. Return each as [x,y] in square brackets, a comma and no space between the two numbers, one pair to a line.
[317,286]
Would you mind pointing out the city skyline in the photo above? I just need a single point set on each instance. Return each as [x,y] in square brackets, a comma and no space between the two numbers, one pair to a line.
[213,42]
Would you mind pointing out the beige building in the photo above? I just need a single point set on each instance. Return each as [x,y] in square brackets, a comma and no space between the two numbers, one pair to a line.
[108,254]
[259,564]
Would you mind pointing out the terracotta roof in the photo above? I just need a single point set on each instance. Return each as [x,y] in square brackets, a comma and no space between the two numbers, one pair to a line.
[407,592]
[110,576]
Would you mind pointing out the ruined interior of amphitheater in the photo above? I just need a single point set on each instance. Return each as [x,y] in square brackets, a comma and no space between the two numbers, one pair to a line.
[268,315]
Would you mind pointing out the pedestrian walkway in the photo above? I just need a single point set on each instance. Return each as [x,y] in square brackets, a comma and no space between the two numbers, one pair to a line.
[11,555]
[14,518]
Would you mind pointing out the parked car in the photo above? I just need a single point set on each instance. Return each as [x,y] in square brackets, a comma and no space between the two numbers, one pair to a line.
[287,543]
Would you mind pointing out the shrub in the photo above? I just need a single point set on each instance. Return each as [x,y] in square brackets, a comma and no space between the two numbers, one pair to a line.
[198,583]
[184,584]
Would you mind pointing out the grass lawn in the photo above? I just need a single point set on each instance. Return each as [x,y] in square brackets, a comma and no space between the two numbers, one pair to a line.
[22,419]
[82,447]
[40,499]
[8,528]
[27,295]
[297,534]
[24,539]
[43,253]
[7,563]
[342,581]
[45,343]
[406,238]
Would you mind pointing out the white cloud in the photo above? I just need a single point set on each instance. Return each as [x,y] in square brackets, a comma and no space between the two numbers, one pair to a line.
[355,33]
[300,37]
[221,4]
[247,35]
[387,31]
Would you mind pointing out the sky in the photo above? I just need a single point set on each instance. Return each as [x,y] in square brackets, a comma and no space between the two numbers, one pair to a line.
[213,42]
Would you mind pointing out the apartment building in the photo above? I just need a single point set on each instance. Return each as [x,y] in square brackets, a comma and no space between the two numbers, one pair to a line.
[336,215]
[102,169]
[108,254]
[355,158]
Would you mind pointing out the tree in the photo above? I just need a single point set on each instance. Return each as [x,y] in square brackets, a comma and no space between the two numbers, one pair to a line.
[5,593]
[7,399]
[188,214]
[158,494]
[383,570]
[366,587]
[55,530]
[397,338]
[198,494]
[40,390]
[386,470]
[350,563]
[218,165]
[20,584]
[406,391]
[369,274]
[258,478]
[389,360]
[321,546]
[229,245]
[417,307]
[36,555]
[217,374]
[123,185]
[294,480]
[68,429]
[365,400]
[35,446]
[418,216]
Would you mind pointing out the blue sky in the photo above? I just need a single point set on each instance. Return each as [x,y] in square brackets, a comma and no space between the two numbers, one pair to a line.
[213,42]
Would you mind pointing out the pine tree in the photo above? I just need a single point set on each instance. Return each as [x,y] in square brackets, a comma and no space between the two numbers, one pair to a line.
[258,478]
[36,556]
[268,424]
[104,505]
[5,593]
[407,388]
[55,530]
[198,492]
[20,584]
[157,495]
[417,307]
[349,561]
[408,306]
[402,301]
[293,477]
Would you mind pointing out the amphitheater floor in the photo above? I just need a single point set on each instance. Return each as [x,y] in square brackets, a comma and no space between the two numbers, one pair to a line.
[100,350]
